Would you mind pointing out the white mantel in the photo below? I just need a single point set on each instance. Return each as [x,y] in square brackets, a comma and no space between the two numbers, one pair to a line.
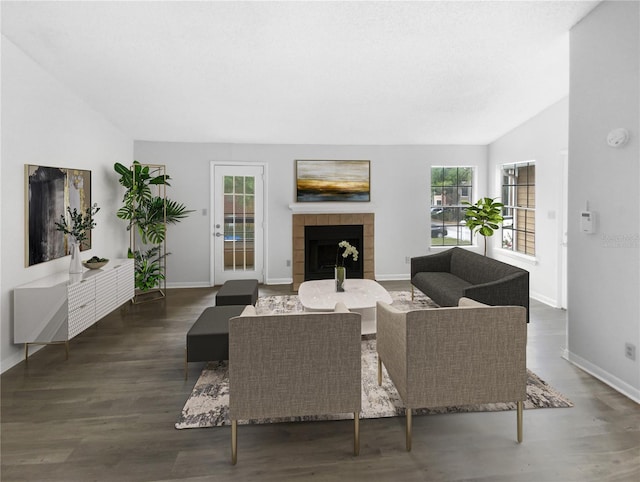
[332,207]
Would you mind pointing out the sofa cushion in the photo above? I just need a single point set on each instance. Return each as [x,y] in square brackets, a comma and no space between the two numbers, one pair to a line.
[443,288]
[478,269]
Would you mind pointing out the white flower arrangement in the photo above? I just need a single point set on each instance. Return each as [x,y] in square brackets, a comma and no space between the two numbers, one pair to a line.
[348,251]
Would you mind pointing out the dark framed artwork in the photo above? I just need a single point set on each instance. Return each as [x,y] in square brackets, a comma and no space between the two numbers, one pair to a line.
[327,180]
[49,191]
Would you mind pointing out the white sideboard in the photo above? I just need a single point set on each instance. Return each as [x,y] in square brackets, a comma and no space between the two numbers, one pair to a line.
[58,307]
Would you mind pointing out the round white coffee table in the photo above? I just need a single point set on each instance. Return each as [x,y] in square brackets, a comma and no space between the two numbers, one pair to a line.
[359,295]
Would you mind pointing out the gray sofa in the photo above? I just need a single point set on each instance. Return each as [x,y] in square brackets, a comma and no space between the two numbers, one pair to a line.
[456,273]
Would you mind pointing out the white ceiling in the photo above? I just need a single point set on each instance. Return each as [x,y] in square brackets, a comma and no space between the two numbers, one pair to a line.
[430,72]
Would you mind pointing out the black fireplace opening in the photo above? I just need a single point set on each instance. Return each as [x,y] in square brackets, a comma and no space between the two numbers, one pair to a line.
[321,248]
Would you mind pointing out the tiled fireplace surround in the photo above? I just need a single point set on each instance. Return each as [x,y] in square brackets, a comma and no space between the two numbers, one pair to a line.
[301,220]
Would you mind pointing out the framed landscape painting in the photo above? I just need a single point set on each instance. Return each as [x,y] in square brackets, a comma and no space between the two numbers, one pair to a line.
[320,180]
[49,191]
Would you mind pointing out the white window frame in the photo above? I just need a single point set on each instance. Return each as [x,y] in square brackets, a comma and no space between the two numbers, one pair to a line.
[514,207]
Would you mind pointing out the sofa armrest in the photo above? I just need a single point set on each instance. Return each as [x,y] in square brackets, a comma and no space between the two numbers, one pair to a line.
[510,290]
[249,310]
[431,262]
[391,343]
[469,303]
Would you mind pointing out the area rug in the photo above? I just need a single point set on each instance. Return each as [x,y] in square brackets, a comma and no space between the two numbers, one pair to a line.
[209,401]
[291,303]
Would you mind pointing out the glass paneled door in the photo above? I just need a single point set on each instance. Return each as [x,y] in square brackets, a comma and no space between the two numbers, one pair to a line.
[237,223]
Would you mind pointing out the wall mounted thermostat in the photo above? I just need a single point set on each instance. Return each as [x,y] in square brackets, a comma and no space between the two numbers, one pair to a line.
[587,222]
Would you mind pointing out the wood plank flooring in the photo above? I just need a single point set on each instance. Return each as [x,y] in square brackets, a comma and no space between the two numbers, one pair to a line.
[107,414]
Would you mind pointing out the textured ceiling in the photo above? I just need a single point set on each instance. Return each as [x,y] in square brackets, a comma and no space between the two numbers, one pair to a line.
[451,72]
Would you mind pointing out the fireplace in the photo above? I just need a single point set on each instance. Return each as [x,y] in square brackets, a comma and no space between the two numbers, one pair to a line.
[321,248]
[366,248]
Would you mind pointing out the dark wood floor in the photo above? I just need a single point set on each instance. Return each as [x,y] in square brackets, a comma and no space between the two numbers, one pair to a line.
[108,414]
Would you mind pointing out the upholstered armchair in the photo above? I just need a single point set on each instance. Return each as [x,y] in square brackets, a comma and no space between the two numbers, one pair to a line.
[294,364]
[463,355]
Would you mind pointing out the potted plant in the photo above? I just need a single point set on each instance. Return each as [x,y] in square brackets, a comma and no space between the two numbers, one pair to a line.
[347,250]
[148,215]
[77,225]
[483,217]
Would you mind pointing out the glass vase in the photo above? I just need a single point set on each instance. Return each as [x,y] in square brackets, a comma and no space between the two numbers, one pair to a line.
[341,274]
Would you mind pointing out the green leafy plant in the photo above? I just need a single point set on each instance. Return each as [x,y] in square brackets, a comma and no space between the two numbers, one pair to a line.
[79,225]
[149,215]
[483,217]
[148,270]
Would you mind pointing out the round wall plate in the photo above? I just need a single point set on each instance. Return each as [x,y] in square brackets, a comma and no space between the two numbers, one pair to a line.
[618,137]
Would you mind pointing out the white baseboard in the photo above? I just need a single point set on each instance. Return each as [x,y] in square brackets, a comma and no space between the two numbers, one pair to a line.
[16,358]
[189,284]
[544,299]
[602,375]
[393,277]
[279,281]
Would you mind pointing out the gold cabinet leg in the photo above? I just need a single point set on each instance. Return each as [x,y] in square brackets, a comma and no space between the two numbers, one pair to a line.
[379,370]
[234,441]
[356,433]
[520,410]
[408,429]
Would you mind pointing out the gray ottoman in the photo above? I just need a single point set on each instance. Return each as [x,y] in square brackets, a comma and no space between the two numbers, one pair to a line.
[238,292]
[208,338]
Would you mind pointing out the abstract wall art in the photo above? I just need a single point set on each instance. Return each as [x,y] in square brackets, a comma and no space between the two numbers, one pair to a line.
[328,180]
[49,191]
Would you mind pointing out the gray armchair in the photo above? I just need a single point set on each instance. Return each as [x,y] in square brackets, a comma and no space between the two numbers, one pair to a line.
[464,355]
[293,365]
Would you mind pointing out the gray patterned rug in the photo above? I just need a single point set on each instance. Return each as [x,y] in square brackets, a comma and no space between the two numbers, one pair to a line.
[209,401]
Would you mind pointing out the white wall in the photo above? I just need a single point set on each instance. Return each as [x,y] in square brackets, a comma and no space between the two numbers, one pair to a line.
[44,123]
[541,139]
[400,198]
[604,268]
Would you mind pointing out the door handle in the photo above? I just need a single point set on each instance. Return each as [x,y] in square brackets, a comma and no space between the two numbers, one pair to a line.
[217,235]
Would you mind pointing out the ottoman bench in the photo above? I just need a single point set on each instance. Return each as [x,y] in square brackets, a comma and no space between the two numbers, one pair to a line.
[238,292]
[208,338]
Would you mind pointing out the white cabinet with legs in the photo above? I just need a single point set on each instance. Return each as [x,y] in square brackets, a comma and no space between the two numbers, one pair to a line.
[54,309]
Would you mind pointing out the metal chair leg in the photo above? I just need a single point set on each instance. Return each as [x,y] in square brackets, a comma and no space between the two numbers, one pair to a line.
[408,429]
[186,368]
[356,433]
[234,441]
[520,410]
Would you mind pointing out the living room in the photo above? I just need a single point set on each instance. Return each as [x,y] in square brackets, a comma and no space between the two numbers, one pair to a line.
[46,122]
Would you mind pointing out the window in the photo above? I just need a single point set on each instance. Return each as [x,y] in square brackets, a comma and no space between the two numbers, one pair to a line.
[450,186]
[519,212]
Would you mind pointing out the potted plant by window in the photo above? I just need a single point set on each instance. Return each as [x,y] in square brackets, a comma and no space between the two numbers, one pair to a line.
[77,225]
[483,217]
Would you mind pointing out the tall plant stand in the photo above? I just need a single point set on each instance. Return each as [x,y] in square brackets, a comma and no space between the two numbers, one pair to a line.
[135,242]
